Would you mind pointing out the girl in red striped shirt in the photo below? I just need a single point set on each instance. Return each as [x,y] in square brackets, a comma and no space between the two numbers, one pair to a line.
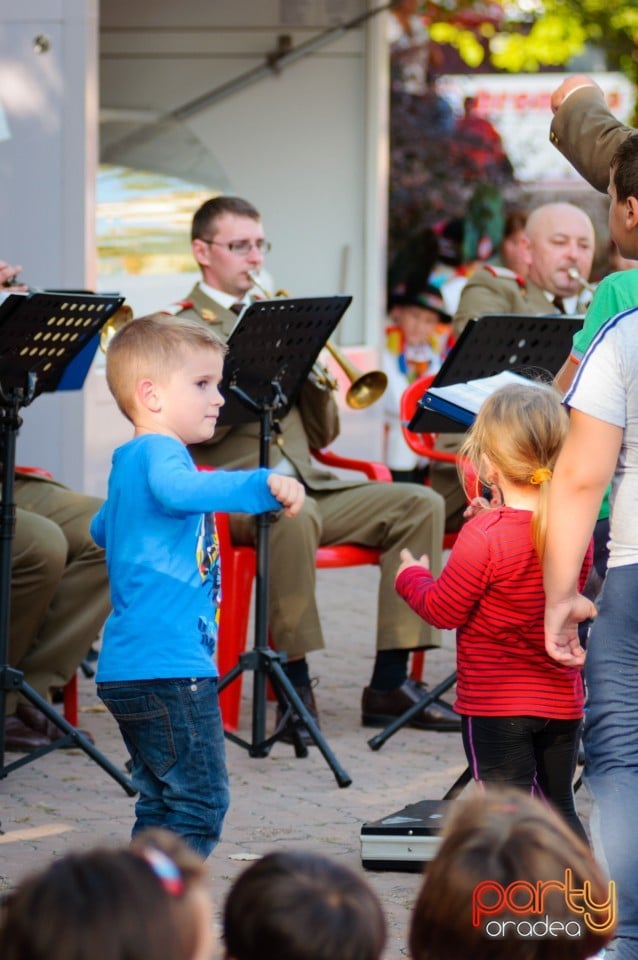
[521,711]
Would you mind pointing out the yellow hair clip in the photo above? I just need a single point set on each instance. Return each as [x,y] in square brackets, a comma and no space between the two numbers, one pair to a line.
[540,476]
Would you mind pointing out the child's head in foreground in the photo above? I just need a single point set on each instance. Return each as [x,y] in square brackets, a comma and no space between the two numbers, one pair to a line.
[302,906]
[160,367]
[149,901]
[517,436]
[467,907]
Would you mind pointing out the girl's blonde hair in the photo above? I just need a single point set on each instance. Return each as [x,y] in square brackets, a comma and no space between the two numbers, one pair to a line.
[520,428]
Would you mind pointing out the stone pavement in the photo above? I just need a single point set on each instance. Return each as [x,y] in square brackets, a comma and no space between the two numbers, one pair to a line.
[64,801]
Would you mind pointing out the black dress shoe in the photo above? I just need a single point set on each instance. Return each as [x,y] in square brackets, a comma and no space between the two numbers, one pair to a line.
[295,723]
[381,707]
[37,721]
[20,738]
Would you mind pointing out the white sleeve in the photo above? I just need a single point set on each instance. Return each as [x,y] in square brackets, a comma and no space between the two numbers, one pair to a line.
[599,389]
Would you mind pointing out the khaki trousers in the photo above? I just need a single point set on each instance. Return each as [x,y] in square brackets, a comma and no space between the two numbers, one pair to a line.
[390,516]
[59,584]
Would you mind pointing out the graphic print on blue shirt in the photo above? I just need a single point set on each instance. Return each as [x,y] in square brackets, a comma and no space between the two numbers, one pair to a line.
[208,564]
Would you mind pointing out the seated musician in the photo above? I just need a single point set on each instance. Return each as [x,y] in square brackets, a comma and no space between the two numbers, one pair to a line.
[228,243]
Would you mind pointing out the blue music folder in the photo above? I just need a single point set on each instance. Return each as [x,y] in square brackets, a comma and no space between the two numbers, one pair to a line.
[75,374]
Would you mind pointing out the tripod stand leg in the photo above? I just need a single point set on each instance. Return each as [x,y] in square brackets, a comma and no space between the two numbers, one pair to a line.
[73,736]
[377,741]
[282,683]
[267,663]
[458,784]
[287,715]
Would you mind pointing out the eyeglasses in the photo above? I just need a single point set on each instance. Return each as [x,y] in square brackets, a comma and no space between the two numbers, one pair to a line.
[241,247]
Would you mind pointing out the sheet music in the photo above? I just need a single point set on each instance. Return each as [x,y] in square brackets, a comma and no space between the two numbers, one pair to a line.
[472,395]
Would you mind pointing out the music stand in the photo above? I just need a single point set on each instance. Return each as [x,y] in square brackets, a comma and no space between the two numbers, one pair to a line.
[272,350]
[40,334]
[532,346]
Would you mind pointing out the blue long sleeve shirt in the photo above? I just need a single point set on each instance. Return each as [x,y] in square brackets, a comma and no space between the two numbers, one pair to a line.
[162,556]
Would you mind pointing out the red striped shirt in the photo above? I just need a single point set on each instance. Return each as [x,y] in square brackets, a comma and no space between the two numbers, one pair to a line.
[491,591]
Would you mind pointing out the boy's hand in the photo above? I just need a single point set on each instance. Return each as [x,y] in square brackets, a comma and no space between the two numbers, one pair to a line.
[288,491]
[407,560]
[561,629]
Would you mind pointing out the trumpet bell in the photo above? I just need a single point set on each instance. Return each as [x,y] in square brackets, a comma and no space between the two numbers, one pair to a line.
[366,390]
[119,319]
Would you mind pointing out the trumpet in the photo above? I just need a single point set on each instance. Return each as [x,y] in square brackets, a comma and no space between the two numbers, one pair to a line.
[365,388]
[573,274]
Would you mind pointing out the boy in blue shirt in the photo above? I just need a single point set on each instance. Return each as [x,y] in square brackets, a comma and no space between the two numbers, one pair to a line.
[156,672]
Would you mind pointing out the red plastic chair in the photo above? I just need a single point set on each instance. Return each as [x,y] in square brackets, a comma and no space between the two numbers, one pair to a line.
[238,565]
[70,703]
[423,444]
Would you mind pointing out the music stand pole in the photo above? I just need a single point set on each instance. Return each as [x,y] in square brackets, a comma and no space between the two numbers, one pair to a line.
[271,353]
[266,664]
[11,679]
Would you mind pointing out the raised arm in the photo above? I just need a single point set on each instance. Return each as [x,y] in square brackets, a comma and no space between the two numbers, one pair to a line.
[585,130]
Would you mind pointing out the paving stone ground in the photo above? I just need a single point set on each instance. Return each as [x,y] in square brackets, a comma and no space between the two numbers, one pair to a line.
[64,801]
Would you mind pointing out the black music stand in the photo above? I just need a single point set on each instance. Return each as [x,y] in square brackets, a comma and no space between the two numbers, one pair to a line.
[272,350]
[533,346]
[40,334]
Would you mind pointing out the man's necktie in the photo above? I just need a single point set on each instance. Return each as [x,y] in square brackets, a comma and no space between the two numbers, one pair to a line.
[237,307]
[559,303]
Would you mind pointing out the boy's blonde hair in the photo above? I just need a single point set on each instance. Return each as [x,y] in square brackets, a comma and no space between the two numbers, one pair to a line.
[521,429]
[153,346]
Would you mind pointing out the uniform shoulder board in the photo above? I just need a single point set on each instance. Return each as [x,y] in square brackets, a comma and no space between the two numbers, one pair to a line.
[505,274]
[177,307]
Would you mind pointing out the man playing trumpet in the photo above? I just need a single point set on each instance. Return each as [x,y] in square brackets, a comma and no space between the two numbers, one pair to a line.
[229,245]
[559,247]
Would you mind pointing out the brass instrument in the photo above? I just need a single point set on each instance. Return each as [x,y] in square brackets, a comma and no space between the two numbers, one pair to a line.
[120,318]
[573,274]
[365,388]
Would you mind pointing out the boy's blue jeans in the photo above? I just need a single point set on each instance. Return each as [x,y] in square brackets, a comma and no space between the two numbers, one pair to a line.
[173,732]
[611,745]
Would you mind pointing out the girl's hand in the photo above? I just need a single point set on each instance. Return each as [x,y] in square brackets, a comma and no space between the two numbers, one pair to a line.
[407,560]
[481,504]
[475,506]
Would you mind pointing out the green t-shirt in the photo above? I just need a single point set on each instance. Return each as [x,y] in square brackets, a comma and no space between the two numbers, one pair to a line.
[615,293]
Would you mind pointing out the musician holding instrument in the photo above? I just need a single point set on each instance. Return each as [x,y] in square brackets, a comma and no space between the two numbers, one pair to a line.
[559,251]
[228,243]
